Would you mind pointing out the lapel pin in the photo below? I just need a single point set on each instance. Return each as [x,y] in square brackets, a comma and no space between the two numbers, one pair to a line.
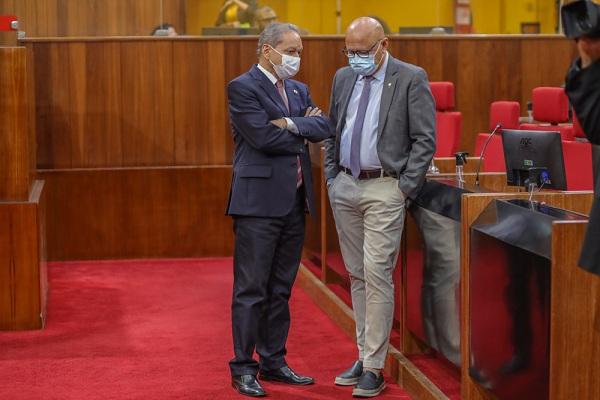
[295,91]
[389,84]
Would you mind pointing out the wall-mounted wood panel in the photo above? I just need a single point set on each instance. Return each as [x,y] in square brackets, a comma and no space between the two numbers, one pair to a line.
[138,213]
[15,147]
[141,102]
[201,126]
[52,18]
[147,103]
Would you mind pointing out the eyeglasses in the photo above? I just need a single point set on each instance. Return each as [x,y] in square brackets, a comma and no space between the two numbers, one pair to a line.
[360,53]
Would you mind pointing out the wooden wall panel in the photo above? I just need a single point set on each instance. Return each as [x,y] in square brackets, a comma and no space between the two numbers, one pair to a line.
[101,116]
[145,102]
[52,18]
[15,146]
[542,65]
[138,213]
[200,104]
[52,85]
[320,60]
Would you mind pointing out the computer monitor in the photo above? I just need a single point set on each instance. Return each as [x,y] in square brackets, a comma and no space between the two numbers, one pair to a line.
[533,149]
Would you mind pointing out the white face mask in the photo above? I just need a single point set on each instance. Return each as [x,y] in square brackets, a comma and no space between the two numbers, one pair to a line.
[289,67]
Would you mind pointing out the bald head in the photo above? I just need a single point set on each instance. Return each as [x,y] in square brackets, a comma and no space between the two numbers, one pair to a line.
[365,28]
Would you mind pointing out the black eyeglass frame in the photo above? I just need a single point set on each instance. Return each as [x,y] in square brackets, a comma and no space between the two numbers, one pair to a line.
[360,53]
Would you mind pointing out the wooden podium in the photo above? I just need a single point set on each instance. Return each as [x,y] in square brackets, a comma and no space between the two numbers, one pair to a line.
[23,280]
[574,299]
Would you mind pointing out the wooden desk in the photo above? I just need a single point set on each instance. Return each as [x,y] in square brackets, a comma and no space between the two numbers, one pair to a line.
[472,206]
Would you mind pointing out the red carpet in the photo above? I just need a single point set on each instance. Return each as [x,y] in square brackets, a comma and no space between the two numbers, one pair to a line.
[157,330]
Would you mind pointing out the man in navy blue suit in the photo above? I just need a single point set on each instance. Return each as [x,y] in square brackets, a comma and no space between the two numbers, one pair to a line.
[272,119]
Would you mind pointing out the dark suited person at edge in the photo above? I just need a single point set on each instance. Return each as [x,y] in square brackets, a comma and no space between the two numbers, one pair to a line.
[272,119]
[583,89]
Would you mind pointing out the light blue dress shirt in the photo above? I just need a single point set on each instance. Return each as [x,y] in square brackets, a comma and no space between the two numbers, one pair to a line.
[368,146]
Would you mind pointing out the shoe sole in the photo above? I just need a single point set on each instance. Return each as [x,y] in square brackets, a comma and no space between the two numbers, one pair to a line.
[248,394]
[357,392]
[345,381]
[273,379]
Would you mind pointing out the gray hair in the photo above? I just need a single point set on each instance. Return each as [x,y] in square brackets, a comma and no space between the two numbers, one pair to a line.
[272,34]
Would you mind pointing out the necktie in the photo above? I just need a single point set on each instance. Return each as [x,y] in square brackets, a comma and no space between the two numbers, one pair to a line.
[281,90]
[358,126]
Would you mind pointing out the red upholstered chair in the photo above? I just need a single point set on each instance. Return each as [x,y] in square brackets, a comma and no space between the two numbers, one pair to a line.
[493,159]
[448,122]
[577,128]
[505,113]
[578,165]
[551,110]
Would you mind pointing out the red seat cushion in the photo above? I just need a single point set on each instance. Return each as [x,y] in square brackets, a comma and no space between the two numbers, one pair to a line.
[443,93]
[566,130]
[578,165]
[550,104]
[505,113]
[577,128]
[493,159]
[448,128]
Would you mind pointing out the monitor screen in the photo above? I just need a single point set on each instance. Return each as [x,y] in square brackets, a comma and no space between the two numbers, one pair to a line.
[533,149]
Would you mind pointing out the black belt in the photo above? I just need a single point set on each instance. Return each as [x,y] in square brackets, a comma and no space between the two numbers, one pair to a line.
[368,174]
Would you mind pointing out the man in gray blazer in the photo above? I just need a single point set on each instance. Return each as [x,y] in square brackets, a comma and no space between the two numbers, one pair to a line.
[384,116]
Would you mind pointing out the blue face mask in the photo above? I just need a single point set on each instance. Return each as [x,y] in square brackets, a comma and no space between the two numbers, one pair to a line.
[364,66]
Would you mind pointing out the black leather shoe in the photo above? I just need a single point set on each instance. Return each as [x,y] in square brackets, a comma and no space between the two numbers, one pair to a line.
[286,375]
[247,385]
[350,376]
[369,385]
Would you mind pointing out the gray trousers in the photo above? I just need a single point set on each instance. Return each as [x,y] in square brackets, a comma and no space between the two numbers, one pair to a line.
[369,216]
[441,275]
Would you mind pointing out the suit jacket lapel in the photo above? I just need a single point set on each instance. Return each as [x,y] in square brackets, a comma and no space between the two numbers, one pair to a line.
[389,86]
[345,98]
[269,88]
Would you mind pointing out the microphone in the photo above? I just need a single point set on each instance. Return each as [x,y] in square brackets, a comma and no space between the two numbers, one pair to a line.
[483,152]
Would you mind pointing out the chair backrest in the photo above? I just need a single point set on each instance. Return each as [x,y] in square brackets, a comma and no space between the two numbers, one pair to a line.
[550,104]
[443,94]
[448,126]
[578,165]
[448,122]
[493,159]
[505,113]
[566,130]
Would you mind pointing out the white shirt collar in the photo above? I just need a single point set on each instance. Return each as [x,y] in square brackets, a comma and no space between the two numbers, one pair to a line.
[269,75]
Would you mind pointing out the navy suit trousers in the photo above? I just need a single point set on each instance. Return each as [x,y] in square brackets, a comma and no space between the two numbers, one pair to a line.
[266,259]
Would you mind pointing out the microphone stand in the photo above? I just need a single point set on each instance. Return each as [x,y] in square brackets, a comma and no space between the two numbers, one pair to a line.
[487,141]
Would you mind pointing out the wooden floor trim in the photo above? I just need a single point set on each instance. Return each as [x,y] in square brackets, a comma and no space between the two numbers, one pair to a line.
[400,368]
